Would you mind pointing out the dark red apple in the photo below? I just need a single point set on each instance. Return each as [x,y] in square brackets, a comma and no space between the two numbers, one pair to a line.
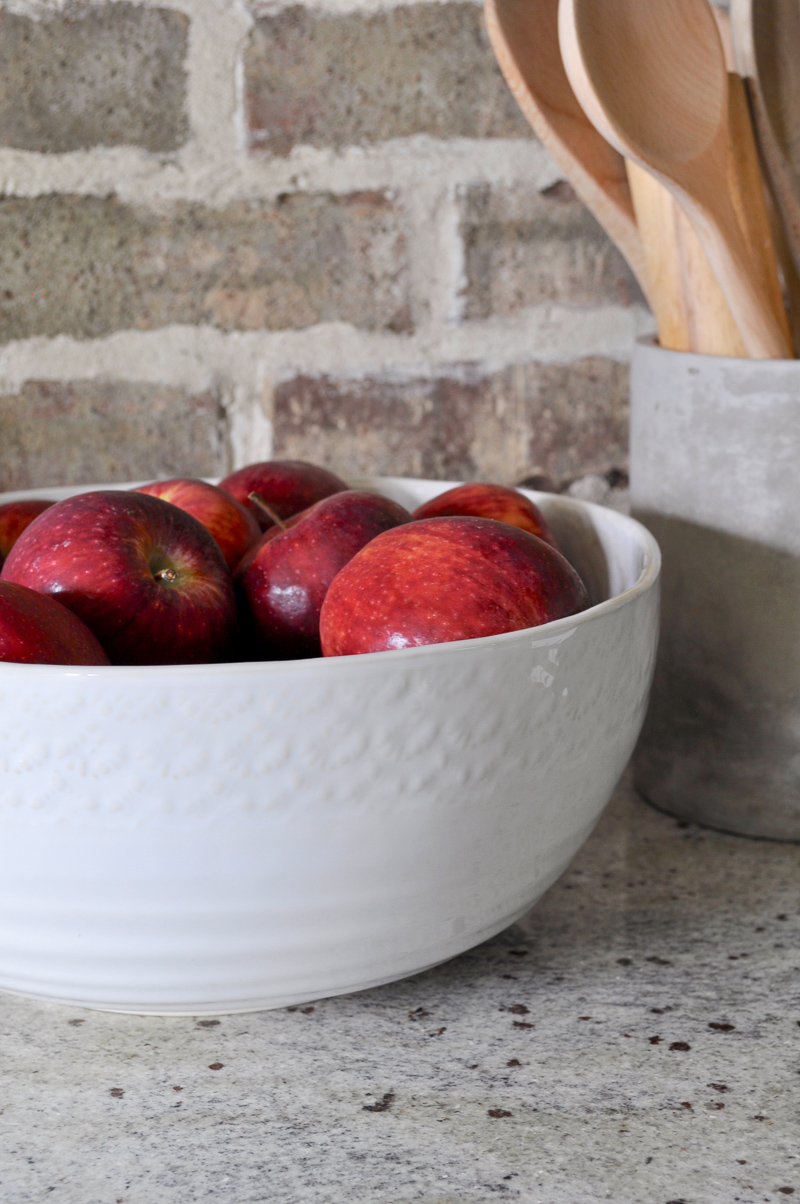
[479,500]
[444,579]
[283,580]
[144,576]
[232,526]
[14,518]
[288,486]
[35,630]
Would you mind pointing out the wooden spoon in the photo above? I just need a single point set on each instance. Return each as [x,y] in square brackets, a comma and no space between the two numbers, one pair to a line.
[651,77]
[640,215]
[524,37]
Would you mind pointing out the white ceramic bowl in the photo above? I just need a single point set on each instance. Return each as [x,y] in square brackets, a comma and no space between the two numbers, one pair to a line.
[219,838]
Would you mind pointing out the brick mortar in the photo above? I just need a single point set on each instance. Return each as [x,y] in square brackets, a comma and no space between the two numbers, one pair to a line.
[136,177]
[197,356]
[213,168]
[244,367]
[337,8]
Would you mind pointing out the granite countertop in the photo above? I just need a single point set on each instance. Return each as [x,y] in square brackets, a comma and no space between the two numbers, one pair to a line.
[636,1038]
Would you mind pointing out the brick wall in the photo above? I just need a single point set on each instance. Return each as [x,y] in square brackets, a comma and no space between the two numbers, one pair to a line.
[322,231]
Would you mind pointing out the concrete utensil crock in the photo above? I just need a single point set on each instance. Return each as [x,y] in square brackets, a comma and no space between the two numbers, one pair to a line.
[715,476]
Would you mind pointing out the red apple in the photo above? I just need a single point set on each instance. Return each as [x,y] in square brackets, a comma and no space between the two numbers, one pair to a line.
[444,579]
[233,527]
[144,576]
[478,500]
[35,630]
[14,518]
[283,580]
[288,486]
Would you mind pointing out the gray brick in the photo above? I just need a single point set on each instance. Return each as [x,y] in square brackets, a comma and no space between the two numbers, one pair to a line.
[562,420]
[525,248]
[86,266]
[360,78]
[87,432]
[93,76]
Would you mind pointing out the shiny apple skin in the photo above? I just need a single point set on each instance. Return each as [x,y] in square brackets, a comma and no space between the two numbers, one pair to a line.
[479,500]
[14,518]
[282,582]
[228,521]
[36,630]
[289,486]
[98,554]
[444,579]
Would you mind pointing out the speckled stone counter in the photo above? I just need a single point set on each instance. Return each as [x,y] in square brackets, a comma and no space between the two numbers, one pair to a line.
[635,1039]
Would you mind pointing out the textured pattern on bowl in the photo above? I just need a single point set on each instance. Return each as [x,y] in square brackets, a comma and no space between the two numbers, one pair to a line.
[231,837]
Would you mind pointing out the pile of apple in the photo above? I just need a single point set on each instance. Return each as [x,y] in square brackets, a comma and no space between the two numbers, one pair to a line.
[281,561]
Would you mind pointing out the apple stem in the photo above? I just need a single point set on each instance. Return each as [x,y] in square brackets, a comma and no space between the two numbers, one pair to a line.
[167,575]
[258,501]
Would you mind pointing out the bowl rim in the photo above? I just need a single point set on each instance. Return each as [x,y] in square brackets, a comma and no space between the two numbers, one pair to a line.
[546,633]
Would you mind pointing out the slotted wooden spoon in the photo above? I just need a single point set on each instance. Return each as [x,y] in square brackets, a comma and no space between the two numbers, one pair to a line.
[651,77]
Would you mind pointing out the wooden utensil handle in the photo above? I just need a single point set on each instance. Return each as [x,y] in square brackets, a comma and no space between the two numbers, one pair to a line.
[747,190]
[689,306]
[717,227]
